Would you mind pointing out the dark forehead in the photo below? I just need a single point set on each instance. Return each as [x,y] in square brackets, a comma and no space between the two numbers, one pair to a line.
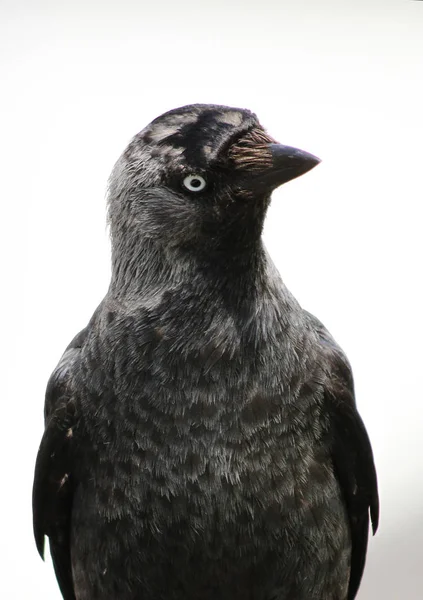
[199,131]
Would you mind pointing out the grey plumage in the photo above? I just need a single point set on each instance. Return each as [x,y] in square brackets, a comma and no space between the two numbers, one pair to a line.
[202,439]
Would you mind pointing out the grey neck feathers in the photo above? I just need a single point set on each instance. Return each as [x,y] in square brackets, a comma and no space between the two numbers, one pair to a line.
[143,265]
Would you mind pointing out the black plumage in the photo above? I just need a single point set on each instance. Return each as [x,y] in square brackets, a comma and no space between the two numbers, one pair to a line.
[202,439]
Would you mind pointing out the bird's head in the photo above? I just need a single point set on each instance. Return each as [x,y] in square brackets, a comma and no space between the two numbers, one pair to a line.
[200,178]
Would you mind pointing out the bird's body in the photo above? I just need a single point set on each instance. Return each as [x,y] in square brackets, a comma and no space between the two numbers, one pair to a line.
[202,440]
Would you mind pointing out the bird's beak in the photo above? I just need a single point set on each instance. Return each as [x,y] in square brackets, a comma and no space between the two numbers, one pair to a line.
[286,163]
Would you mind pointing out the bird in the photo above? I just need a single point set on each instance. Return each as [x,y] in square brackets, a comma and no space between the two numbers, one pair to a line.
[202,439]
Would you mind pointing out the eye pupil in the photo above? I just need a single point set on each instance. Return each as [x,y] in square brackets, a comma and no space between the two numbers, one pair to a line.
[194,183]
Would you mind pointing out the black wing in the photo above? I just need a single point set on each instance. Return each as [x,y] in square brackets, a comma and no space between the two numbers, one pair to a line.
[53,483]
[351,453]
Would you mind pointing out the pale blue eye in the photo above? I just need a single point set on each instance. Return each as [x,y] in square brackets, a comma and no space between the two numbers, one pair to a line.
[194,183]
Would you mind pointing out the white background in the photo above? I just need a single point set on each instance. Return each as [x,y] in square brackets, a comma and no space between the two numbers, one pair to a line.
[341,79]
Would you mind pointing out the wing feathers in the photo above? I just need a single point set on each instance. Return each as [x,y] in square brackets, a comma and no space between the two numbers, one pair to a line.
[53,480]
[351,450]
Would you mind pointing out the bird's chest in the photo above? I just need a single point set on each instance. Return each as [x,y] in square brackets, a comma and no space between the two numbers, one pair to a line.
[201,417]
[204,449]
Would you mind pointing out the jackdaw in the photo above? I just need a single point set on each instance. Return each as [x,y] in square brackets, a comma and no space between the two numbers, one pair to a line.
[202,440]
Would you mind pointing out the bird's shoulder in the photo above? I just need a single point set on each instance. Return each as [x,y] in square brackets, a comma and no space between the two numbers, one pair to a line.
[332,359]
[59,387]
